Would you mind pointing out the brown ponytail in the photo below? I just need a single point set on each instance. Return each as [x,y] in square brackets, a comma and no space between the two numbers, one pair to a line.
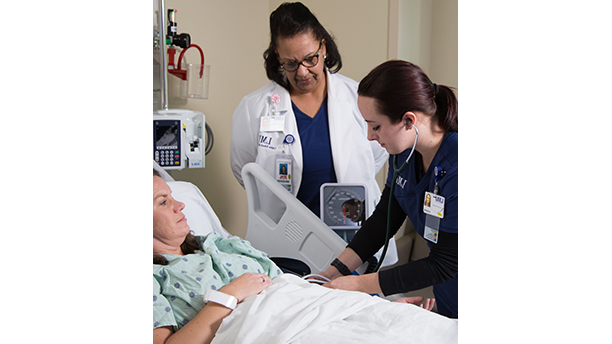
[400,86]
[447,111]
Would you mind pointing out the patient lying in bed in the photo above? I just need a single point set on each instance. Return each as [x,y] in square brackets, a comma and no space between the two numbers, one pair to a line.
[286,310]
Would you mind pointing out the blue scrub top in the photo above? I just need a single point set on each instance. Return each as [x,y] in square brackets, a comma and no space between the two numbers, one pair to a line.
[410,193]
[316,155]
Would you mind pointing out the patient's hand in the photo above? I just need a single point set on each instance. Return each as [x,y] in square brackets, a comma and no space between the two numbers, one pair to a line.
[246,285]
[415,300]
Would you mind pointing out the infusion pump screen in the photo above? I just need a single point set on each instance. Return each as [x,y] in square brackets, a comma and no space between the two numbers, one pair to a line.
[167,142]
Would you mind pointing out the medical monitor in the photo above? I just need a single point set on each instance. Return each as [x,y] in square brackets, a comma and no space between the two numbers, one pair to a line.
[343,208]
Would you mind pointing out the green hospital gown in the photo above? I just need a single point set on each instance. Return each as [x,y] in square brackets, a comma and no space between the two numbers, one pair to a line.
[178,287]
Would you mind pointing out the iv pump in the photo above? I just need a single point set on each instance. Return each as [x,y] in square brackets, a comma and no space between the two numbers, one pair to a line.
[178,134]
[178,139]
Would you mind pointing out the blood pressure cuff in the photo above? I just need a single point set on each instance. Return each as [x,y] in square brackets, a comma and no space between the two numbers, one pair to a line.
[291,266]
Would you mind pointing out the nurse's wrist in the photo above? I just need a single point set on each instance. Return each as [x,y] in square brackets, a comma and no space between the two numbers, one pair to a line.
[331,273]
[341,267]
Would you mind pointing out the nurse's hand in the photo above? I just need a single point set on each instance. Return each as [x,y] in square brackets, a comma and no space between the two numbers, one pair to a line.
[331,273]
[365,283]
[415,300]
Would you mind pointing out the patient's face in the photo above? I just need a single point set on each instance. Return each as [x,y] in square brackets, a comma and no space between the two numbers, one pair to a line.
[169,224]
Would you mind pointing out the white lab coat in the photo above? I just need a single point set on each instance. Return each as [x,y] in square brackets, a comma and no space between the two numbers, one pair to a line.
[356,160]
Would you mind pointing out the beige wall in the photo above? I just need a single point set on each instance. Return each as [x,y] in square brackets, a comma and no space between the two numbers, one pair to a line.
[234,34]
[428,37]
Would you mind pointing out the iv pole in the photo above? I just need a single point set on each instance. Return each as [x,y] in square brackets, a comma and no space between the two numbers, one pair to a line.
[163,65]
[163,68]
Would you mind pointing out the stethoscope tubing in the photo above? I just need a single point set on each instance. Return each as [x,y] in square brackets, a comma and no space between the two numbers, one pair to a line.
[396,172]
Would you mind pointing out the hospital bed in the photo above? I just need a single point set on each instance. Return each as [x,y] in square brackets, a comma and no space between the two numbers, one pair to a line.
[293,310]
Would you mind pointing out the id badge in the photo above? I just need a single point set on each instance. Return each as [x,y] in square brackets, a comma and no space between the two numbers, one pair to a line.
[271,123]
[283,171]
[434,205]
[432,227]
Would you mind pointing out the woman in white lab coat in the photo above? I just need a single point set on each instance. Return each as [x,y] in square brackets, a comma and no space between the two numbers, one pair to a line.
[306,118]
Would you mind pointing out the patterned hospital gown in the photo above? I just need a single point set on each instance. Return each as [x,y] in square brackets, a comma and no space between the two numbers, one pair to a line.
[178,287]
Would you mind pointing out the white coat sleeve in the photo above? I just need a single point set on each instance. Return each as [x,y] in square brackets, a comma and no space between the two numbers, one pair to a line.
[243,147]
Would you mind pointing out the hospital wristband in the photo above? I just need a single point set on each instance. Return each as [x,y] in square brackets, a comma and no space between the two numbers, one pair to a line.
[218,297]
[341,267]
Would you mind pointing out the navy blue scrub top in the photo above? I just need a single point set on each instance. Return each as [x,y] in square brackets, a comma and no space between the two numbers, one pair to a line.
[316,154]
[410,193]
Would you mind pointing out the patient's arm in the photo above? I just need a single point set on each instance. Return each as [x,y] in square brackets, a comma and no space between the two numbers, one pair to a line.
[202,328]
[161,334]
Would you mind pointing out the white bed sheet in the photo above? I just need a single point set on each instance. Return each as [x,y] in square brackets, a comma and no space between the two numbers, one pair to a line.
[295,311]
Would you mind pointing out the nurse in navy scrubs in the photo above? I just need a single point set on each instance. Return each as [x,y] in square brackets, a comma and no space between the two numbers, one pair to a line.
[397,100]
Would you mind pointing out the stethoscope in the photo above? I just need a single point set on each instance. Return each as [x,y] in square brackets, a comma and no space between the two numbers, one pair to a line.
[396,172]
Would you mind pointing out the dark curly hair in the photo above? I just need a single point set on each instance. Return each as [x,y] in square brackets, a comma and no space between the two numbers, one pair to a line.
[288,20]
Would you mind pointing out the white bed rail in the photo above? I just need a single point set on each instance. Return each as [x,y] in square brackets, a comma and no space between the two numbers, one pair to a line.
[299,233]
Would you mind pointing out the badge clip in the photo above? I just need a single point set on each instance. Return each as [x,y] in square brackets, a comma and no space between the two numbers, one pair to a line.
[439,173]
[289,139]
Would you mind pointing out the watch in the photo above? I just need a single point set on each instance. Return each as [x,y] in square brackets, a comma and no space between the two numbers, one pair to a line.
[341,267]
[218,297]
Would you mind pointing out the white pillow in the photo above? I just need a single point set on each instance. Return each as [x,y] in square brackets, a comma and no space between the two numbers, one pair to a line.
[165,176]
[200,216]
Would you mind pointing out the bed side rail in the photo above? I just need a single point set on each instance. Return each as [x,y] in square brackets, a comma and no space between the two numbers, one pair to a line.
[299,233]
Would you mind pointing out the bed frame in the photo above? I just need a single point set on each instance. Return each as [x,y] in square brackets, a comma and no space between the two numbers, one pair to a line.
[299,233]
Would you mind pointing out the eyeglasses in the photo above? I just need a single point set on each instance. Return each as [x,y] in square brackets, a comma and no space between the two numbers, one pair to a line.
[308,62]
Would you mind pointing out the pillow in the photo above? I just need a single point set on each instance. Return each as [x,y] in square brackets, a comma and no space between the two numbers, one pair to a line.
[165,176]
[200,216]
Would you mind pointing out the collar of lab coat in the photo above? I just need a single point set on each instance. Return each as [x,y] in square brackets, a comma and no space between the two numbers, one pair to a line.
[337,100]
